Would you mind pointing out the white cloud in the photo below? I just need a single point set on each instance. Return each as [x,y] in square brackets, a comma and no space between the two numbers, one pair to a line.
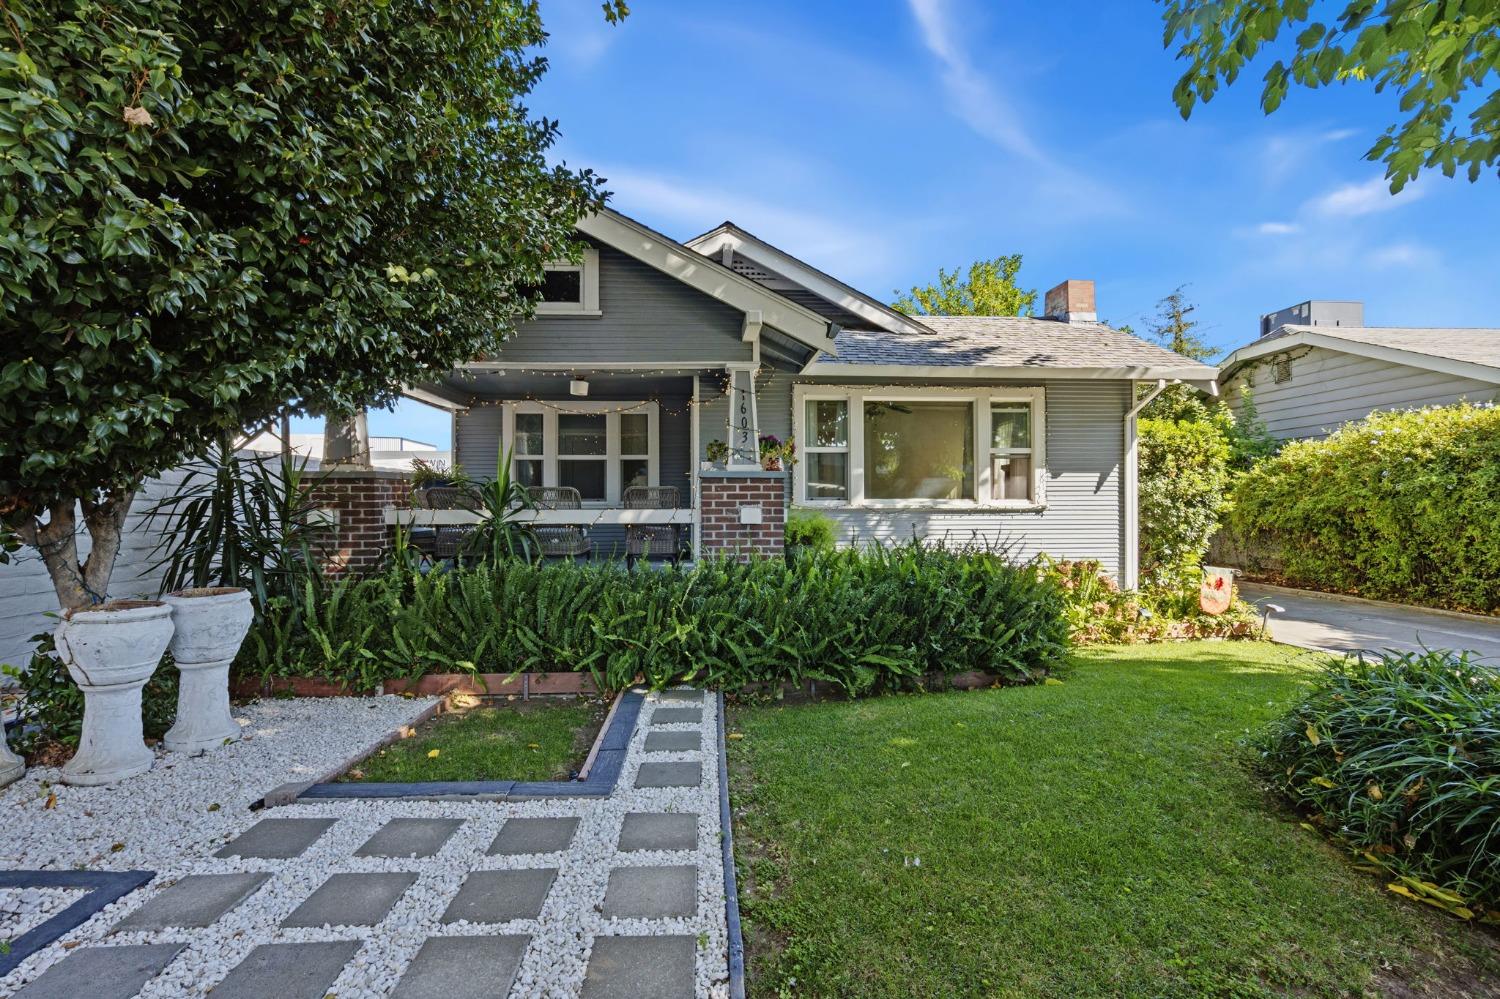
[1364,198]
[819,239]
[1404,255]
[1277,228]
[975,98]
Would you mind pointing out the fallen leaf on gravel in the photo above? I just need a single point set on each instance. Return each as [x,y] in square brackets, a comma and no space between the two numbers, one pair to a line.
[116,847]
[51,800]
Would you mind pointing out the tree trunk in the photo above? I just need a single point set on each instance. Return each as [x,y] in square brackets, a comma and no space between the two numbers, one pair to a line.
[79,584]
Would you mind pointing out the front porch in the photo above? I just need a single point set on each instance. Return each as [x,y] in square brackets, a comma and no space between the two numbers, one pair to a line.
[596,434]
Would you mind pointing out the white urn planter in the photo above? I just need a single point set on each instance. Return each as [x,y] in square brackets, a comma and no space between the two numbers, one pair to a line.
[11,765]
[111,650]
[210,623]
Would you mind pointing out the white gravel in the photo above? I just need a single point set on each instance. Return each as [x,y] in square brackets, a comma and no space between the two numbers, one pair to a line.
[160,836]
[24,909]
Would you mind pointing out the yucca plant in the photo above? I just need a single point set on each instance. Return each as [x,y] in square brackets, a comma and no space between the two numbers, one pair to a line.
[502,535]
[1399,755]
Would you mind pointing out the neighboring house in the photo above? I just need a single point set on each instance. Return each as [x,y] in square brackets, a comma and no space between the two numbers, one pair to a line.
[990,430]
[385,452]
[1316,366]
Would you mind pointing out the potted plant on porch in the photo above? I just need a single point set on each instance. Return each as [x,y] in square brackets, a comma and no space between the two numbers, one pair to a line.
[776,453]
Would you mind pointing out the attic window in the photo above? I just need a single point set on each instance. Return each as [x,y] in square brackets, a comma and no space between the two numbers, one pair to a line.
[570,289]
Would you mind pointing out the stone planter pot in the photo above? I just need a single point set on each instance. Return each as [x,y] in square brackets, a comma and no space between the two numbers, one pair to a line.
[11,765]
[111,651]
[210,624]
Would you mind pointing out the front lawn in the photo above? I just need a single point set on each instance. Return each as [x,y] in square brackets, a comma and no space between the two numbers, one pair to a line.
[531,740]
[1099,837]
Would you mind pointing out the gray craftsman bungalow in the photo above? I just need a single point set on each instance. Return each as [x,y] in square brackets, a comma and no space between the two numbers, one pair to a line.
[987,430]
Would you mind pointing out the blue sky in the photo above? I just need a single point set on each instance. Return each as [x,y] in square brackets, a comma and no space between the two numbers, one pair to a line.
[883,139]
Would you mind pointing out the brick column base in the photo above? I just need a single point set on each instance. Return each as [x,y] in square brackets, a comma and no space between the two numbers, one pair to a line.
[358,497]
[743,511]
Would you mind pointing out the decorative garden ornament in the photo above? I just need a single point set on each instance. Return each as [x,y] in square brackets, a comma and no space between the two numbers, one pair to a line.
[111,650]
[210,624]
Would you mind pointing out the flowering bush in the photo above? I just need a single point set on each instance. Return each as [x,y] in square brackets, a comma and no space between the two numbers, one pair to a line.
[1100,613]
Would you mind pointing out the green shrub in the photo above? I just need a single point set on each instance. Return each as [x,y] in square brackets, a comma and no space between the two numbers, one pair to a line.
[861,620]
[1184,477]
[1401,506]
[810,529]
[1400,757]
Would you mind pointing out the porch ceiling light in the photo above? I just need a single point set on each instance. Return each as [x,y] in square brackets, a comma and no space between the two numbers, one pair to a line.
[578,386]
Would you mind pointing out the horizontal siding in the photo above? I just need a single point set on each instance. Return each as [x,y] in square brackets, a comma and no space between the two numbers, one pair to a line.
[647,316]
[1329,388]
[1083,516]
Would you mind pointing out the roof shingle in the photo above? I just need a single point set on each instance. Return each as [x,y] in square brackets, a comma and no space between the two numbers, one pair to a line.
[1009,342]
[1476,346]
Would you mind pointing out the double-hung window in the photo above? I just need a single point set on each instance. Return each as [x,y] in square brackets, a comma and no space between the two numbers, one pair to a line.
[599,448]
[919,447]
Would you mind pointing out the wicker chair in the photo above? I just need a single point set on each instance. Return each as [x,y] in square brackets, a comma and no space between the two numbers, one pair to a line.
[560,540]
[442,543]
[646,540]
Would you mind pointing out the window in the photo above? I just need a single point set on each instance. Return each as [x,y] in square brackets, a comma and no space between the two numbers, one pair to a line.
[598,448]
[919,447]
[1010,452]
[826,451]
[570,289]
[919,450]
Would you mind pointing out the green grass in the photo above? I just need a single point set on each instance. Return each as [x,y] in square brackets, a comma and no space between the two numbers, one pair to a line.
[1100,837]
[523,741]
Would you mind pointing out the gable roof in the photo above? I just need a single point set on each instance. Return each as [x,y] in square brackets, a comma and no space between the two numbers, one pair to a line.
[799,281]
[760,304]
[1467,353]
[1009,346]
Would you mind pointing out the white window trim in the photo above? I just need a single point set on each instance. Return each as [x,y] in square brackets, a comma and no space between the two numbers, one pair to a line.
[613,486]
[981,399]
[589,288]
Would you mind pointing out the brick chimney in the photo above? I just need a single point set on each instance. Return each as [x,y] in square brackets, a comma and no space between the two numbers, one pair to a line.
[1071,302]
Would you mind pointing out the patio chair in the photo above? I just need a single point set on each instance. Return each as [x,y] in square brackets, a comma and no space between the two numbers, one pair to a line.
[560,540]
[646,540]
[442,543]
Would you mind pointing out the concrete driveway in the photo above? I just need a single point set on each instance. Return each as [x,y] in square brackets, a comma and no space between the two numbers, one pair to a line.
[1341,624]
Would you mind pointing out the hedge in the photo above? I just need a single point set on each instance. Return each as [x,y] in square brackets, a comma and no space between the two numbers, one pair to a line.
[1184,478]
[862,620]
[1400,758]
[1401,506]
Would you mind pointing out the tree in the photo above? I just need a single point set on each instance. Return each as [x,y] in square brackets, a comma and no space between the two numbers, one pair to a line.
[989,290]
[1437,56]
[209,208]
[1173,329]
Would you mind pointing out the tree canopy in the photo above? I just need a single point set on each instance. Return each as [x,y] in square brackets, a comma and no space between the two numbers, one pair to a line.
[1174,328]
[209,208]
[1440,56]
[988,289]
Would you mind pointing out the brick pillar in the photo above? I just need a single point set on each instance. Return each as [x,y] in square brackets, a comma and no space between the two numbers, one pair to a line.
[357,536]
[743,511]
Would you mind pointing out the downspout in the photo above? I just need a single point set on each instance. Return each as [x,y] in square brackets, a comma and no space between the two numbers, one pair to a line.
[1130,568]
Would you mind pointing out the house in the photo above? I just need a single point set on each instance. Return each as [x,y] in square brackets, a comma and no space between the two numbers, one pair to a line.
[1316,366]
[385,452]
[973,430]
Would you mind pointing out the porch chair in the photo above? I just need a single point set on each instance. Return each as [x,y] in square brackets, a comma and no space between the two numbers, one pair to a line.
[645,540]
[442,543]
[560,540]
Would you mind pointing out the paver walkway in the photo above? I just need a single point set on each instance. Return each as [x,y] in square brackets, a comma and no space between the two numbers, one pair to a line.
[600,898]
[1318,621]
